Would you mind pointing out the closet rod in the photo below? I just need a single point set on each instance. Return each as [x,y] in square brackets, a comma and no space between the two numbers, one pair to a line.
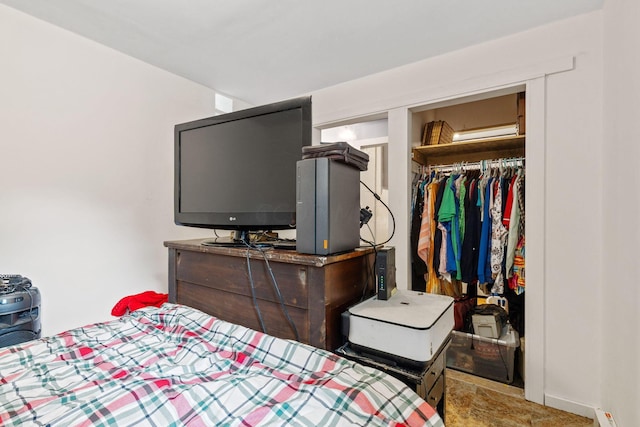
[488,164]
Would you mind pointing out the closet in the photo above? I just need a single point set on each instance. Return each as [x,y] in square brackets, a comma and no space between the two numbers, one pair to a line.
[467,204]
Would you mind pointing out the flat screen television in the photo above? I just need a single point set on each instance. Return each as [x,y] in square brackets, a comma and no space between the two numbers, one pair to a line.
[237,171]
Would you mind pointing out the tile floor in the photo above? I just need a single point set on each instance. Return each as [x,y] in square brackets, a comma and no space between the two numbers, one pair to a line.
[472,401]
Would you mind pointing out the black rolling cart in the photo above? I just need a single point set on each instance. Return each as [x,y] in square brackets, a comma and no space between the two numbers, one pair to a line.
[429,382]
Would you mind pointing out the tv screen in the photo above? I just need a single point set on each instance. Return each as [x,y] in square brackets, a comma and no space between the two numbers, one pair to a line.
[237,171]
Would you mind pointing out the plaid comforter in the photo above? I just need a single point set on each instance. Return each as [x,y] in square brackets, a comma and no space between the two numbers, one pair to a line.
[178,366]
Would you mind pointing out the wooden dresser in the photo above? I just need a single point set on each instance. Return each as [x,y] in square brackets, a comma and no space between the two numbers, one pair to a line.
[315,289]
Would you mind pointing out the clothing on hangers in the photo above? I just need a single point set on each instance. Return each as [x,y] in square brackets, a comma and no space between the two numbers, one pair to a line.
[468,225]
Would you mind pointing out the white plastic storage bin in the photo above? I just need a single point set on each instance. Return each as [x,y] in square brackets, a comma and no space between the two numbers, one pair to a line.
[486,357]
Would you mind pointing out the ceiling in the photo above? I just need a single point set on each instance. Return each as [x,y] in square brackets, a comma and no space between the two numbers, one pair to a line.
[266,50]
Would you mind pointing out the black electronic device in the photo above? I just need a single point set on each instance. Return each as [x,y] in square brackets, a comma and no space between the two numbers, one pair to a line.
[19,315]
[386,272]
[12,282]
[365,215]
[237,171]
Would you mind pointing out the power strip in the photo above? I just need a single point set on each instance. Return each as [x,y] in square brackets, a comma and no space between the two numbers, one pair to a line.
[604,419]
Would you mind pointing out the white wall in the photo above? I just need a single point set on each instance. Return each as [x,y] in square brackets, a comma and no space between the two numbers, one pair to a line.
[87,177]
[621,152]
[87,168]
[568,224]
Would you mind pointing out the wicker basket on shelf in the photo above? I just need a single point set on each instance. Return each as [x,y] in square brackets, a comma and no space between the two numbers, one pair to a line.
[437,132]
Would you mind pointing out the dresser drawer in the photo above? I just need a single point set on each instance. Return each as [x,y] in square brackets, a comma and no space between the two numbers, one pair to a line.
[434,371]
[436,393]
[239,309]
[230,274]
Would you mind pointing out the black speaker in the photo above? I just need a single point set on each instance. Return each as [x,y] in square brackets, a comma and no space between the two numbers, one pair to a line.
[19,316]
[327,207]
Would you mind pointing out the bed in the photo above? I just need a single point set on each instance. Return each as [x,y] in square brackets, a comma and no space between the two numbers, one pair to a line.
[175,365]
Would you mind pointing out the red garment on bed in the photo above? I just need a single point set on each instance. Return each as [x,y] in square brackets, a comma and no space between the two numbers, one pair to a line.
[134,302]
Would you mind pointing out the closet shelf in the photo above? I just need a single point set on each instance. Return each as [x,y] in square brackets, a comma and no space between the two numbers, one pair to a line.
[470,151]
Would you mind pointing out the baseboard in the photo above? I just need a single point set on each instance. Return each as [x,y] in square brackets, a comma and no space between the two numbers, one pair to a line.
[569,406]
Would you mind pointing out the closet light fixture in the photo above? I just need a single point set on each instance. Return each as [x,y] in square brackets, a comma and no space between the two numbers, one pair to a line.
[490,132]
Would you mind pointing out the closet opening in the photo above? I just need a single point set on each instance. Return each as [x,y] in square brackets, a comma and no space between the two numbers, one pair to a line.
[467,225]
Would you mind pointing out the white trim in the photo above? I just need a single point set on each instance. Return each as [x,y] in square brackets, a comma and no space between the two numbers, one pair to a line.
[570,406]
[432,94]
[534,355]
[399,194]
